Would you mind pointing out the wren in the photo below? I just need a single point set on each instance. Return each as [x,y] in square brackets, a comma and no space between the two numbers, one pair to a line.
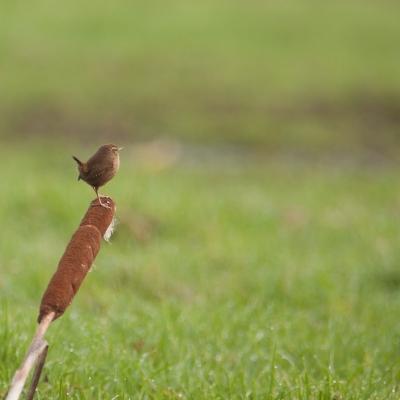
[100,168]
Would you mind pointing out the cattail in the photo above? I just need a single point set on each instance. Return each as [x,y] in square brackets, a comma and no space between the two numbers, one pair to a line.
[76,260]
[72,269]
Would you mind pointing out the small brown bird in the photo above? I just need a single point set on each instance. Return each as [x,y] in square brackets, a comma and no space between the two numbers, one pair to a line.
[100,168]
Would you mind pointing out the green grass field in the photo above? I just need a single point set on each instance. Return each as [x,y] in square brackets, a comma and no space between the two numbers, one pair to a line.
[264,281]
[264,265]
[306,74]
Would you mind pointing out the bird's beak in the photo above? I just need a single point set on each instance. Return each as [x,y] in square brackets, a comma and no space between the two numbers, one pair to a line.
[120,148]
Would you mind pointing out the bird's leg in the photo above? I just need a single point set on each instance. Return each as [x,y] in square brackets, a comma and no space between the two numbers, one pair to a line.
[96,189]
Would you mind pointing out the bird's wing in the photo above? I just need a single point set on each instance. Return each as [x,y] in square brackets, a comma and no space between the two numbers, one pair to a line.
[97,170]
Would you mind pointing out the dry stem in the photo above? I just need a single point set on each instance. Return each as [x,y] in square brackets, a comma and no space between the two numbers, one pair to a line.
[37,346]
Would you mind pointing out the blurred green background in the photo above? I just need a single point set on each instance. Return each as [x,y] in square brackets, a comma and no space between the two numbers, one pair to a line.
[258,204]
[309,75]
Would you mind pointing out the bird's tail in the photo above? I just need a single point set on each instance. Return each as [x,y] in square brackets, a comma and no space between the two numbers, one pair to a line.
[82,167]
[78,161]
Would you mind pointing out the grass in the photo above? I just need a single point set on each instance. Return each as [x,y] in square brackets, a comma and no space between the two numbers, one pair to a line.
[260,281]
[277,74]
[227,278]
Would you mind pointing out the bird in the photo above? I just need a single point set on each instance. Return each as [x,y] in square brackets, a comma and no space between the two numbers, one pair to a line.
[100,168]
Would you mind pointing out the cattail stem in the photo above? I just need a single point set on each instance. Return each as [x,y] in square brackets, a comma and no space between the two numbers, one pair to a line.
[37,373]
[37,346]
